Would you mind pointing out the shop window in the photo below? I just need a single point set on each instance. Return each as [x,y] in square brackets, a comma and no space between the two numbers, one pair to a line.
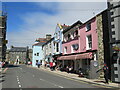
[88,26]
[88,42]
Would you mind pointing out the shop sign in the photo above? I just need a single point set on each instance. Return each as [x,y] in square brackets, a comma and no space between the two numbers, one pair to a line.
[116,48]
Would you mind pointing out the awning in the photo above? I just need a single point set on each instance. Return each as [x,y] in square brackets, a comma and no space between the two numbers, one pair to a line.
[76,57]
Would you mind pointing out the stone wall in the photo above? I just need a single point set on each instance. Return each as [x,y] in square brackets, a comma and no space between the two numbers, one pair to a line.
[100,42]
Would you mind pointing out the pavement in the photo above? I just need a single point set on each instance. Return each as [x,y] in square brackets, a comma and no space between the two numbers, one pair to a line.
[99,82]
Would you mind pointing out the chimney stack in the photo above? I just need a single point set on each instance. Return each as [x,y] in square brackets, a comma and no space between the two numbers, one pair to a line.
[48,37]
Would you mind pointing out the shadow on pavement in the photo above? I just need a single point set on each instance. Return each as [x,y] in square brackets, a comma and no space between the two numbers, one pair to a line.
[100,81]
[2,76]
[2,81]
[12,66]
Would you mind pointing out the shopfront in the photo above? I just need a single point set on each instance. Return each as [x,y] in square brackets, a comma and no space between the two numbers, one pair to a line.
[84,61]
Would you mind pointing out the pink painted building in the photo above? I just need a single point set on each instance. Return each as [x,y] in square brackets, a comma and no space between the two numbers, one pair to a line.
[80,45]
[84,45]
[88,36]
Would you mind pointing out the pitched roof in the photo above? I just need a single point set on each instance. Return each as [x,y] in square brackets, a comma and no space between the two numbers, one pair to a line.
[65,26]
[73,25]
[18,49]
[41,40]
[48,41]
[39,44]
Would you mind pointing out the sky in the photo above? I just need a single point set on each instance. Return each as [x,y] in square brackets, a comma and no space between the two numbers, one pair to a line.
[27,21]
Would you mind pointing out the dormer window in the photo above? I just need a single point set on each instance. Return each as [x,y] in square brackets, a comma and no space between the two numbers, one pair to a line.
[68,36]
[72,35]
[76,32]
[65,39]
[88,26]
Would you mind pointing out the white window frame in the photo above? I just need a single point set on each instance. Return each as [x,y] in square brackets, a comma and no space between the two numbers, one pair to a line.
[72,50]
[72,35]
[88,42]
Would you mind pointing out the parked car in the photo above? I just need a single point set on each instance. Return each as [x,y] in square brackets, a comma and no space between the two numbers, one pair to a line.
[29,62]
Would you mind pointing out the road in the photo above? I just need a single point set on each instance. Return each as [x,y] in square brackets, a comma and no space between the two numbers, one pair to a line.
[26,77]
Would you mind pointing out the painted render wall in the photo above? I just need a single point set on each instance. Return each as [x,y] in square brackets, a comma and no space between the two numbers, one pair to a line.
[83,33]
[58,39]
[69,44]
[37,49]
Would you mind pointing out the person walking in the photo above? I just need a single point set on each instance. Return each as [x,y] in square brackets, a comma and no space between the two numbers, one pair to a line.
[67,69]
[106,72]
[54,65]
[105,69]
[51,66]
[38,64]
[80,72]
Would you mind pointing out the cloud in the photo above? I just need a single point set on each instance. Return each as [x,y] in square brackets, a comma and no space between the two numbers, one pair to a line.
[38,24]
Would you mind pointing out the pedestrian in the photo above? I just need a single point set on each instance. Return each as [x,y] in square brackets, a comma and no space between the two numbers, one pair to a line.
[51,66]
[0,66]
[38,64]
[67,69]
[80,71]
[54,65]
[106,72]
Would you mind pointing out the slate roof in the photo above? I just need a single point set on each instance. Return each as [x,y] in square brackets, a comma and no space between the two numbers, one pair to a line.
[41,40]
[73,25]
[48,41]
[65,26]
[39,44]
[18,49]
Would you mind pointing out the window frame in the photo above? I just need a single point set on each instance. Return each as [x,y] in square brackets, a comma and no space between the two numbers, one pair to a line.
[88,26]
[88,42]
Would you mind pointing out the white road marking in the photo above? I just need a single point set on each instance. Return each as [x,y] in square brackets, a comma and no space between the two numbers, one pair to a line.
[18,82]
[20,68]
[20,86]
[42,79]
[60,86]
[33,75]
